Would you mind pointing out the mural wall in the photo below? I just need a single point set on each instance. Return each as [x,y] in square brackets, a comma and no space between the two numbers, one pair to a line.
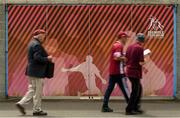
[80,38]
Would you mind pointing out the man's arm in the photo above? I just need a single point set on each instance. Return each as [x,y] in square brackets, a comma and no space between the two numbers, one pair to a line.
[144,58]
[37,49]
[119,57]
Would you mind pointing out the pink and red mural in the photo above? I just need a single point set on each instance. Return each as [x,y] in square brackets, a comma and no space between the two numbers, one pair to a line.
[80,37]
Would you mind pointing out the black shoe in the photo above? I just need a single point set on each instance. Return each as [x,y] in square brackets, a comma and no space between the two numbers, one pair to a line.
[39,113]
[21,108]
[131,113]
[106,109]
[139,111]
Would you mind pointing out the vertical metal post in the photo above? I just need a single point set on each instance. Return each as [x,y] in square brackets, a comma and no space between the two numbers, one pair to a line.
[175,52]
[6,50]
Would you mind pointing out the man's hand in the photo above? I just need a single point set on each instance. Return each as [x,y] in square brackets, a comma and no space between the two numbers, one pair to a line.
[147,58]
[124,59]
[49,58]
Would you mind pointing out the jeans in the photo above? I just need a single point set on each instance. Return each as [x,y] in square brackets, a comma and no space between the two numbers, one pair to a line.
[112,81]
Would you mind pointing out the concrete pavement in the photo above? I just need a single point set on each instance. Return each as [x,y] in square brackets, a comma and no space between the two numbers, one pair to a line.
[91,109]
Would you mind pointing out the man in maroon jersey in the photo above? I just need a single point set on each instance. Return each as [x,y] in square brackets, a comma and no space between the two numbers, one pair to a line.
[135,60]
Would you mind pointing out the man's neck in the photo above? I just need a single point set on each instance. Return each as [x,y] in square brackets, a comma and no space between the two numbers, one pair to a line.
[141,44]
[121,42]
[37,39]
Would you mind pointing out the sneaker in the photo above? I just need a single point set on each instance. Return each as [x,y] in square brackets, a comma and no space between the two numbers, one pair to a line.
[106,109]
[39,113]
[21,108]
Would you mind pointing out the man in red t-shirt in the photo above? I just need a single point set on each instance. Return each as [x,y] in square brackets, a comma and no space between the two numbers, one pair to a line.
[135,60]
[116,69]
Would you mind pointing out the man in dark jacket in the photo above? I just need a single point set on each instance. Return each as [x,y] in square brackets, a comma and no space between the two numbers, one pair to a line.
[36,71]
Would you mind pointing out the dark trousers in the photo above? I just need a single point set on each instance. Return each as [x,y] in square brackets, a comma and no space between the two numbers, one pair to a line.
[135,97]
[112,81]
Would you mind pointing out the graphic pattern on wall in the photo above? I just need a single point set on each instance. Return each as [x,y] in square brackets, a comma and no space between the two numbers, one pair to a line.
[80,38]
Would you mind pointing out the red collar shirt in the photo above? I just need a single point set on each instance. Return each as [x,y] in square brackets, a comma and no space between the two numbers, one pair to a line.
[116,66]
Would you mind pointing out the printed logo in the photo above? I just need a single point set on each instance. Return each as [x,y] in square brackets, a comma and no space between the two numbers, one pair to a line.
[155,28]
